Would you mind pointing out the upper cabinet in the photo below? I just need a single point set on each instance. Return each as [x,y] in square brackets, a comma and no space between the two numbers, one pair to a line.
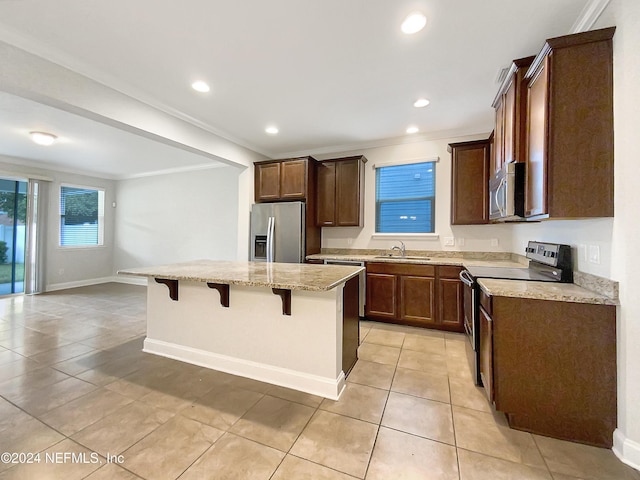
[341,192]
[282,180]
[569,134]
[470,182]
[510,127]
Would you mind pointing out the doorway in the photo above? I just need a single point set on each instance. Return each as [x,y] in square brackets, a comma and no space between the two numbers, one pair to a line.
[13,219]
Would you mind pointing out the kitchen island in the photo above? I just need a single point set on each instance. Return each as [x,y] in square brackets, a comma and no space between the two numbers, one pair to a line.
[294,325]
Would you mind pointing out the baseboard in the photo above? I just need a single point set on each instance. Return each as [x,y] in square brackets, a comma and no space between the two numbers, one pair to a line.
[130,280]
[313,384]
[95,281]
[626,449]
[79,283]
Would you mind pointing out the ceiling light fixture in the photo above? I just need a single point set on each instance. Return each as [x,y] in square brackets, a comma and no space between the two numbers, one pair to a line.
[43,138]
[271,130]
[200,86]
[421,102]
[413,23]
[412,129]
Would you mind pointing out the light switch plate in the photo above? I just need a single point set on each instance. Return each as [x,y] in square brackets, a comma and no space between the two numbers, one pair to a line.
[594,254]
[449,241]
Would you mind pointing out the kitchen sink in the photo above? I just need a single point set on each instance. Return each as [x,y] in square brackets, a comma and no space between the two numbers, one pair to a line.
[406,257]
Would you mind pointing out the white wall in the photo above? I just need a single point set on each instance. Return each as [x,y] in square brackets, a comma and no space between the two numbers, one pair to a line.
[625,260]
[178,217]
[476,237]
[68,266]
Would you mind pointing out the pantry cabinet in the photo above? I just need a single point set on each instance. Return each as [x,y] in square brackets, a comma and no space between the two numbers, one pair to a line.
[341,192]
[569,134]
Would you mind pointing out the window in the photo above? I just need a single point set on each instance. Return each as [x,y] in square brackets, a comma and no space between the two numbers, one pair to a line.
[405,197]
[81,216]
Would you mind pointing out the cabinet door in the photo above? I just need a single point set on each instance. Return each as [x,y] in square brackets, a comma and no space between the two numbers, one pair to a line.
[267,182]
[486,352]
[293,180]
[348,190]
[497,159]
[326,206]
[509,135]
[451,302]
[417,299]
[537,136]
[381,296]
[470,183]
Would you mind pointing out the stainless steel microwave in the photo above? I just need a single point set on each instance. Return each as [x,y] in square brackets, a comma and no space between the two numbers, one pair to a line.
[506,193]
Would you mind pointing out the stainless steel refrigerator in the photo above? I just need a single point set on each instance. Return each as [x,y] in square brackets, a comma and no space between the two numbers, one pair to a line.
[277,232]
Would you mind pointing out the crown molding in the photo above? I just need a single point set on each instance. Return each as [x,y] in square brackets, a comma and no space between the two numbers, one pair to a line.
[589,15]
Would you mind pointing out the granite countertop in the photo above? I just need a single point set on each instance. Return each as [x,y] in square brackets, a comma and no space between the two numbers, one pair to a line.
[420,260]
[560,292]
[291,276]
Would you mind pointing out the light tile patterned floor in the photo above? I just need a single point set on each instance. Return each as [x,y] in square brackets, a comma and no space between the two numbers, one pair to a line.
[76,388]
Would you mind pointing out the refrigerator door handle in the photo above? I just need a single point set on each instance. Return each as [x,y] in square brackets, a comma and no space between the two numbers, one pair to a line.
[270,234]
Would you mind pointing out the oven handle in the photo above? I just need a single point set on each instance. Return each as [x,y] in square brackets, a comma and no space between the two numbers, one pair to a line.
[466,278]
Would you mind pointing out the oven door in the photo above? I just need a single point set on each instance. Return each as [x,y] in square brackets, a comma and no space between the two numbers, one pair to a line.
[469,295]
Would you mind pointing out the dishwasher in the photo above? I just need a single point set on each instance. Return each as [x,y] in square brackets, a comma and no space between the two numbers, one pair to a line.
[363,279]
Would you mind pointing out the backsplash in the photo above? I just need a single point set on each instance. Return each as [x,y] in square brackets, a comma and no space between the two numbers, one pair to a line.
[603,286]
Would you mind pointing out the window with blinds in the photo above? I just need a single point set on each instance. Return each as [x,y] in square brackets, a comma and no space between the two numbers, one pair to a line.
[81,216]
[405,198]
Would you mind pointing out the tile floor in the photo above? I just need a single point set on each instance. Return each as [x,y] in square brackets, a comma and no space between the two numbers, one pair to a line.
[76,388]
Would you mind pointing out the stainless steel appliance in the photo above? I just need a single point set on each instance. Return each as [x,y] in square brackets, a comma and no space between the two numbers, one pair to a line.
[506,193]
[548,262]
[277,232]
[363,280]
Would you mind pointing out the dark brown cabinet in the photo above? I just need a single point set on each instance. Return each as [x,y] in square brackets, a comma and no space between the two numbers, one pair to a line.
[510,126]
[289,180]
[569,134]
[341,192]
[550,366]
[470,182]
[284,180]
[413,294]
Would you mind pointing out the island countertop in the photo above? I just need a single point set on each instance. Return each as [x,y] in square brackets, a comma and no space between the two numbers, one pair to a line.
[291,276]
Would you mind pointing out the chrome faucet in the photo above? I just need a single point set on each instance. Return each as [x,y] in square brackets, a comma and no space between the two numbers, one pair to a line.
[400,248]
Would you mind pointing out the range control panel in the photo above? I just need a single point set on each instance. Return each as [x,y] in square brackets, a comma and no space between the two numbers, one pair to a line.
[554,254]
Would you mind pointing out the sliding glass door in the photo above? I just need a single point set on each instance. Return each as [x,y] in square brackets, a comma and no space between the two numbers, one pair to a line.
[13,219]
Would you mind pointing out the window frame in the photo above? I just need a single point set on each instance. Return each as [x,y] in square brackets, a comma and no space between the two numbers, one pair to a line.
[433,198]
[101,210]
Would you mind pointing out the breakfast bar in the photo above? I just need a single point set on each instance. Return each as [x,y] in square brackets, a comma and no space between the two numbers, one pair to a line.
[293,325]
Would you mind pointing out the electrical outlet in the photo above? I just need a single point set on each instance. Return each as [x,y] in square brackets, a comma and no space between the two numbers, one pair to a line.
[449,241]
[349,241]
[495,242]
[460,242]
[594,254]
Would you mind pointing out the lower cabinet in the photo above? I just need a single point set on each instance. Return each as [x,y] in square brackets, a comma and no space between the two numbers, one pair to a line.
[550,366]
[415,294]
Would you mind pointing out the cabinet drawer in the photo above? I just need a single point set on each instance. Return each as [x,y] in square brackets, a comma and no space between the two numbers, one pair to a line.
[401,269]
[486,302]
[449,271]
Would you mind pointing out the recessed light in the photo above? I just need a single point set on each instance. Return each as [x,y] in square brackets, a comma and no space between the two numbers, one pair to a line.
[421,102]
[200,86]
[43,138]
[413,129]
[413,23]
[271,130]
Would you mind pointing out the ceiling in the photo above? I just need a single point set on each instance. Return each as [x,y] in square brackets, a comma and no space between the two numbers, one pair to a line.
[332,75]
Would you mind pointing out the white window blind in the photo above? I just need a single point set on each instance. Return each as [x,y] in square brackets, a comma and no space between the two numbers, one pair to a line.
[81,216]
[405,198]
